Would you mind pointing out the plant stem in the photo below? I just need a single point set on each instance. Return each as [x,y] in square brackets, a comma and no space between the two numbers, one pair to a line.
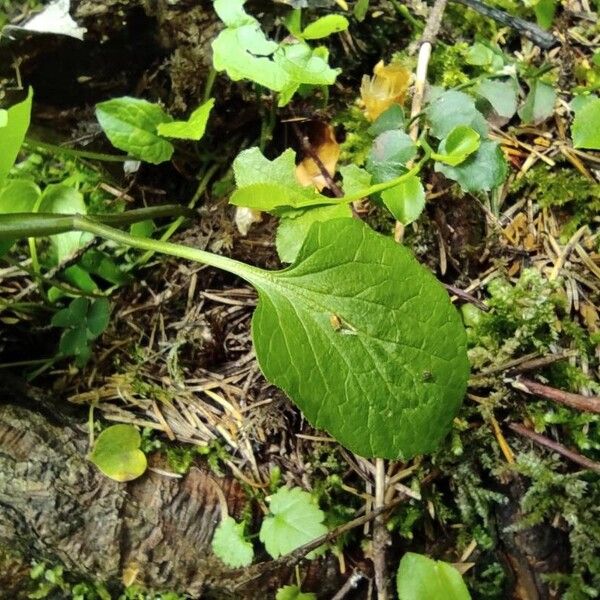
[81,223]
[37,144]
[380,187]
[380,535]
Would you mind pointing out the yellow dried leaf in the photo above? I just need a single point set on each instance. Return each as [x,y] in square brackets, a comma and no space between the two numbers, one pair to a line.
[327,149]
[388,86]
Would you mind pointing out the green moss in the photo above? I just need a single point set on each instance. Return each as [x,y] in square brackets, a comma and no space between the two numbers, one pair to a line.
[561,187]
[357,144]
[572,499]
[447,67]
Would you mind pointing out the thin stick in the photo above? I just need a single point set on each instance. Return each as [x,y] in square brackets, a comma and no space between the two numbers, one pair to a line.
[299,553]
[467,297]
[556,447]
[576,401]
[380,534]
[351,583]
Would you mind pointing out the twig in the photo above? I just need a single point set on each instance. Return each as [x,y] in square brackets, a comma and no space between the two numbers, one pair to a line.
[576,401]
[529,362]
[531,31]
[380,533]
[556,447]
[299,553]
[352,581]
[467,297]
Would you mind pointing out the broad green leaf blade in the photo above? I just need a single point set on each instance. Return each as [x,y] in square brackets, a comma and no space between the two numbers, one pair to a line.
[325,26]
[482,171]
[13,133]
[293,229]
[406,200]
[230,544]
[130,124]
[421,578]
[117,453]
[304,65]
[364,339]
[3,117]
[451,109]
[586,126]
[502,95]
[293,592]
[294,520]
[193,128]
[460,143]
[539,104]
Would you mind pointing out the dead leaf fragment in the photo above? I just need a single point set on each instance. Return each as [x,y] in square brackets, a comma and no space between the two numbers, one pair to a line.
[388,86]
[325,146]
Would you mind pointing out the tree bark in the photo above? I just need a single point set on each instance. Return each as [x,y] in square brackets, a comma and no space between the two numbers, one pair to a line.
[55,505]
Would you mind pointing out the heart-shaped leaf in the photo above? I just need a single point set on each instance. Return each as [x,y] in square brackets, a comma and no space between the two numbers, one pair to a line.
[117,453]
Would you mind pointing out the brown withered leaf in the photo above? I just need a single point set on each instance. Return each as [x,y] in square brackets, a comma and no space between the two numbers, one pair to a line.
[322,139]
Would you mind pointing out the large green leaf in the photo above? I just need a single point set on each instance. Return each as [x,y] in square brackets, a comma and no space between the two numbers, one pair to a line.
[421,578]
[13,133]
[293,229]
[502,95]
[131,124]
[586,125]
[364,340]
[17,195]
[359,335]
[391,152]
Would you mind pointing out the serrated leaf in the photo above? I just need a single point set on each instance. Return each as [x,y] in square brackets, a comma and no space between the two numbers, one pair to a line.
[421,578]
[325,26]
[117,453]
[451,109]
[539,104]
[230,544]
[268,185]
[406,200]
[13,133]
[389,379]
[460,143]
[244,53]
[355,179]
[586,126]
[482,171]
[193,128]
[502,95]
[232,12]
[293,229]
[131,123]
[391,152]
[294,520]
[293,592]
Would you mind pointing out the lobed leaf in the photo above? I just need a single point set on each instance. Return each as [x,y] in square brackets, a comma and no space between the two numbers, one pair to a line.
[230,544]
